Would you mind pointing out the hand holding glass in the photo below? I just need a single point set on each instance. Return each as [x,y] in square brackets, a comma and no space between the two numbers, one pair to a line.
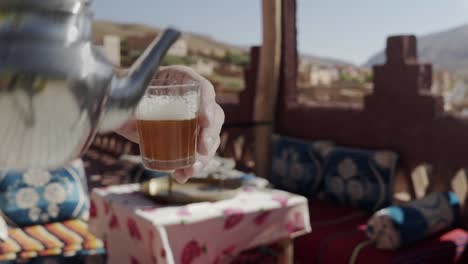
[167,120]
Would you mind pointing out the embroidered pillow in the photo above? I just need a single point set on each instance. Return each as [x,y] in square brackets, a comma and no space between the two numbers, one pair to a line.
[396,226]
[39,196]
[297,165]
[360,178]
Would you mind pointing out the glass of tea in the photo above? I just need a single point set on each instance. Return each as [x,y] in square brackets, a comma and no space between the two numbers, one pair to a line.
[167,120]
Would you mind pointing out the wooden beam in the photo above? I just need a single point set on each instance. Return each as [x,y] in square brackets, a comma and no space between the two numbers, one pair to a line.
[267,83]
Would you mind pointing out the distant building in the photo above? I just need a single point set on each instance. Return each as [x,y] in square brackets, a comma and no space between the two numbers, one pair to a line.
[229,69]
[457,98]
[351,72]
[314,75]
[179,48]
[323,76]
[204,67]
[442,83]
[211,52]
[138,43]
[111,47]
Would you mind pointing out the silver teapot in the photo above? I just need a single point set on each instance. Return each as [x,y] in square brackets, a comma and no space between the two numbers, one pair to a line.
[57,90]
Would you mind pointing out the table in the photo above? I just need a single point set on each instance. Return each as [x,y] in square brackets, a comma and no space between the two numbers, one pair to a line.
[137,230]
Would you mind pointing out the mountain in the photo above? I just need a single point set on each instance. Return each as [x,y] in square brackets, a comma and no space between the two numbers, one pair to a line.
[195,41]
[445,50]
[199,42]
[325,61]
[101,28]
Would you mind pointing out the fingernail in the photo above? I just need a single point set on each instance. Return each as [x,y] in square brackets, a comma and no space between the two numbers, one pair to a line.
[208,140]
[180,177]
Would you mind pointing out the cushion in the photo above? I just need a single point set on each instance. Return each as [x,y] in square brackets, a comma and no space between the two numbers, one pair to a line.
[341,229]
[40,196]
[396,226]
[297,164]
[359,178]
[68,238]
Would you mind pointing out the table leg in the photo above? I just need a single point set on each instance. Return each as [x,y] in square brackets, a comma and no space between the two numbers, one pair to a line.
[287,251]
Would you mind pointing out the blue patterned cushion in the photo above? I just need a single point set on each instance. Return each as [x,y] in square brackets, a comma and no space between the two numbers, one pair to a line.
[360,178]
[297,165]
[396,226]
[39,197]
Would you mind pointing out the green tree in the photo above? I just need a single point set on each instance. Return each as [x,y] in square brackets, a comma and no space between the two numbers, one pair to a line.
[177,60]
[236,58]
[368,78]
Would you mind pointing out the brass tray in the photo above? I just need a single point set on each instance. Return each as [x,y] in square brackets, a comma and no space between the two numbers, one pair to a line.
[165,190]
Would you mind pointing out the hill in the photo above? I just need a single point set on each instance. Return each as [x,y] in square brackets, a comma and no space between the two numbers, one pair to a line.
[447,49]
[325,61]
[195,41]
[101,28]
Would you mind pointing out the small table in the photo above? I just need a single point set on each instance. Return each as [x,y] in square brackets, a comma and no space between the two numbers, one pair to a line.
[137,230]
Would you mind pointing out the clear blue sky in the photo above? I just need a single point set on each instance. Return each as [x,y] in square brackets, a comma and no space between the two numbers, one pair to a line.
[350,30]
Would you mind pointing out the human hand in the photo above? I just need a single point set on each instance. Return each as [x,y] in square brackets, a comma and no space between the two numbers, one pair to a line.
[211,120]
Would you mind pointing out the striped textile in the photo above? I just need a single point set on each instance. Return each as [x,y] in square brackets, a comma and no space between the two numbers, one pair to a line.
[69,238]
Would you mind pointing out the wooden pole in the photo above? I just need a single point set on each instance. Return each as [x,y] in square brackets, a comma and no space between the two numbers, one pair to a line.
[287,251]
[267,84]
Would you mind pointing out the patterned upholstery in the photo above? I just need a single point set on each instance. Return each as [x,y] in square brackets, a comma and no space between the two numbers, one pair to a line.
[297,165]
[360,178]
[359,182]
[396,226]
[39,196]
[69,238]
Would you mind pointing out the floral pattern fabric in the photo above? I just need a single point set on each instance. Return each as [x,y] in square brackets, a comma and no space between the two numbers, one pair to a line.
[136,230]
[360,178]
[297,165]
[40,196]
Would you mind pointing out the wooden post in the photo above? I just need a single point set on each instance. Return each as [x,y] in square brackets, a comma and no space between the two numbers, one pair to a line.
[267,84]
[287,251]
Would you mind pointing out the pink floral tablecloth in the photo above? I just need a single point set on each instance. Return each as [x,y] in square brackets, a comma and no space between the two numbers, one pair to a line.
[136,230]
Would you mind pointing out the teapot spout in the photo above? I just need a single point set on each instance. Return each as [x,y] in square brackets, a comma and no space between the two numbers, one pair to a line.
[128,88]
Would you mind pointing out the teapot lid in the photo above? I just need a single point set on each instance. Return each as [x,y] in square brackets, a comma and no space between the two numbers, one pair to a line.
[67,6]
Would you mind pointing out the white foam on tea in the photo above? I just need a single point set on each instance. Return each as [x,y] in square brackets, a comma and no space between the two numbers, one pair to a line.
[181,107]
